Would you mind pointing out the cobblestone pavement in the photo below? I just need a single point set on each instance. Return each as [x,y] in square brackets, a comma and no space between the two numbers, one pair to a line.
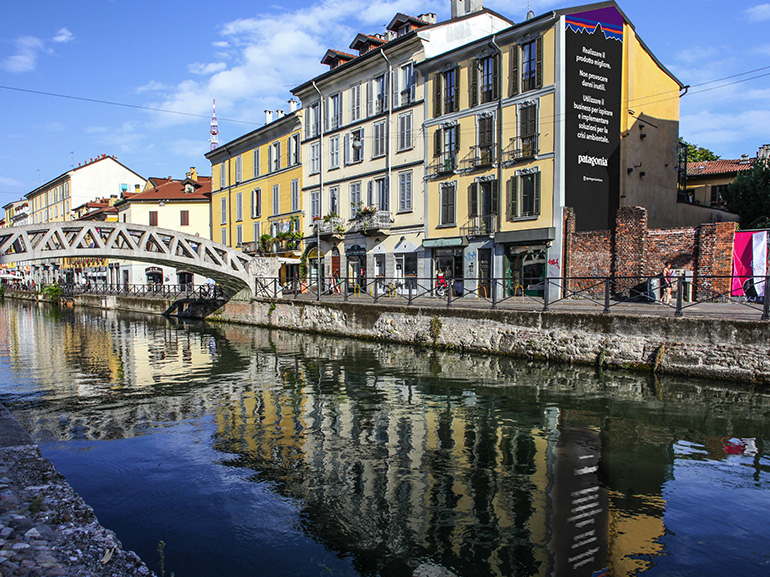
[46,529]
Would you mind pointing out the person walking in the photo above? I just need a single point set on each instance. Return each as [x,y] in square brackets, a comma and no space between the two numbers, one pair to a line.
[666,283]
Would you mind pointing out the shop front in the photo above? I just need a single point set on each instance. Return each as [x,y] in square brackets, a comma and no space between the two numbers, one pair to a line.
[356,257]
[154,275]
[447,258]
[525,260]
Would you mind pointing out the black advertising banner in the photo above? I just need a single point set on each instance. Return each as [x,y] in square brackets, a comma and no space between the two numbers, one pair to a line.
[594,60]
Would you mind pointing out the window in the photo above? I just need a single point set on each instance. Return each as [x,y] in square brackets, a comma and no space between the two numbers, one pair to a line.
[446,143]
[223,210]
[256,203]
[66,190]
[274,159]
[315,204]
[153,218]
[239,206]
[184,218]
[238,168]
[407,82]
[255,163]
[376,97]
[378,194]
[239,235]
[293,150]
[445,92]
[405,191]
[334,200]
[222,175]
[315,158]
[354,146]
[483,83]
[276,199]
[256,231]
[355,198]
[355,103]
[485,148]
[334,152]
[223,236]
[448,197]
[295,195]
[333,118]
[523,195]
[528,136]
[378,147]
[405,131]
[531,56]
[313,120]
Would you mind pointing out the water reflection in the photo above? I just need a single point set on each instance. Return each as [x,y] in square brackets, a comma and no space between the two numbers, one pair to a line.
[398,459]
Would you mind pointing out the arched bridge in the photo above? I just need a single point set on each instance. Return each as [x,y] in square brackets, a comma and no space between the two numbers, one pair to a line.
[231,268]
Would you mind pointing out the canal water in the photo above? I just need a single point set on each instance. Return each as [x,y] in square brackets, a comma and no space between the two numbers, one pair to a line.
[251,452]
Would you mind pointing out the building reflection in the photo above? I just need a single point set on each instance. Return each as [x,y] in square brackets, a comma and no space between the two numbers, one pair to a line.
[397,457]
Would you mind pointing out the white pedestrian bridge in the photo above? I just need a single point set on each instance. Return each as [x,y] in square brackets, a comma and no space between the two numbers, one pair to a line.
[233,270]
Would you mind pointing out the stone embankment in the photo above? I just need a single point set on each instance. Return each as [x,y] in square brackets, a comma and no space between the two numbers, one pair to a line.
[713,348]
[46,530]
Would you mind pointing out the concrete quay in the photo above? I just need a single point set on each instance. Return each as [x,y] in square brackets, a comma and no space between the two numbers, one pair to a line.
[46,529]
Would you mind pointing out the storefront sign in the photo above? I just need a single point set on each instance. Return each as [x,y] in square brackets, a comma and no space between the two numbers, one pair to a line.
[594,56]
[441,242]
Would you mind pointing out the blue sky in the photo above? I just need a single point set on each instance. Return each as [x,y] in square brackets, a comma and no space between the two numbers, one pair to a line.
[248,55]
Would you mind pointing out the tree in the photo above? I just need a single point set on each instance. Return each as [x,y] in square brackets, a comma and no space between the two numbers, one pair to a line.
[697,153]
[749,195]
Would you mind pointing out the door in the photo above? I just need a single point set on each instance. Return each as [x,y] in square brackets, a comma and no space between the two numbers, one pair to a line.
[485,272]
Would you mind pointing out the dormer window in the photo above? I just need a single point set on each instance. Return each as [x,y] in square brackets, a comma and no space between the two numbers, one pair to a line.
[404,29]
[188,188]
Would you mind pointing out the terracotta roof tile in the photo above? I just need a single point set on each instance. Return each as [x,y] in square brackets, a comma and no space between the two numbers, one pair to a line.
[174,190]
[714,167]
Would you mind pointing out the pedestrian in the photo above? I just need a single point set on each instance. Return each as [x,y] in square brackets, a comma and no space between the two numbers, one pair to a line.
[666,282]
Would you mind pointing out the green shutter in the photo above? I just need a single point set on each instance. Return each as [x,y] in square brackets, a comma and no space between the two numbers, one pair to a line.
[473,204]
[437,95]
[537,194]
[457,137]
[437,142]
[473,83]
[493,197]
[514,80]
[456,101]
[495,77]
[513,197]
[539,62]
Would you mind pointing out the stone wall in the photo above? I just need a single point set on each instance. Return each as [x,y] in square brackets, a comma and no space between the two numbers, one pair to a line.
[735,350]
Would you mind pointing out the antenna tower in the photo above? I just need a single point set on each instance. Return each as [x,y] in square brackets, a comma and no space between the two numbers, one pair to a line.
[214,140]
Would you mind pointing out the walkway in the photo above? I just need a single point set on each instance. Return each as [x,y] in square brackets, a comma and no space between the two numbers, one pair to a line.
[45,527]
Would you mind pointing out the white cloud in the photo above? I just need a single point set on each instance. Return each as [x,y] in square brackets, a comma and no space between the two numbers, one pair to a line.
[25,59]
[205,69]
[759,12]
[152,86]
[724,131]
[9,182]
[63,36]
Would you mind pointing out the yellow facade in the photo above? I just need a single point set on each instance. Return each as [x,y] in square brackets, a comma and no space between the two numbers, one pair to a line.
[256,190]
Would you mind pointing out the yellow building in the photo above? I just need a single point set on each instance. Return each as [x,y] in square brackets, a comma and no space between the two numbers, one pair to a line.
[567,109]
[256,198]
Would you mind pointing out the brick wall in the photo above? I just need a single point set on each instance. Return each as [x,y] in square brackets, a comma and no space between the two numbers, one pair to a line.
[632,253]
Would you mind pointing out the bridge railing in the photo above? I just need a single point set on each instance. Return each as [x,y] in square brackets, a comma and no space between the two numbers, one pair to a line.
[164,291]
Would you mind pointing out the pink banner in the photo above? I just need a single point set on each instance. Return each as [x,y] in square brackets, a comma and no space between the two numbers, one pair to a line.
[742,255]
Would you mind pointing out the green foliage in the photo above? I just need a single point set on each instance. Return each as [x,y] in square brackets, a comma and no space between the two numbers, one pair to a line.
[52,292]
[435,329]
[749,196]
[697,153]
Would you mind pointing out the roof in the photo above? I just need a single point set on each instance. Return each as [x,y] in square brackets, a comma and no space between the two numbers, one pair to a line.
[716,167]
[175,190]
[90,162]
[332,55]
[365,39]
[400,18]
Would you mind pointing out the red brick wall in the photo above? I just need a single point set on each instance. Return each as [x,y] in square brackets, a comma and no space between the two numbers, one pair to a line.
[634,253]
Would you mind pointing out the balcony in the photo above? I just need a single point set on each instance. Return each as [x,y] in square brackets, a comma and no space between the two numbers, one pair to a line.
[484,225]
[370,223]
[329,226]
[521,148]
[445,163]
[479,157]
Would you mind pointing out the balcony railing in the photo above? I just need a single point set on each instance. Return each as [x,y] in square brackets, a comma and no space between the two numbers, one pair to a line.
[445,163]
[522,147]
[479,157]
[483,225]
[329,227]
[370,223]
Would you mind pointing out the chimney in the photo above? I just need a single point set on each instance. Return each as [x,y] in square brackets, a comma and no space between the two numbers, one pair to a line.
[744,159]
[764,152]
[463,7]
[430,18]
[268,116]
[193,174]
[279,114]
[293,105]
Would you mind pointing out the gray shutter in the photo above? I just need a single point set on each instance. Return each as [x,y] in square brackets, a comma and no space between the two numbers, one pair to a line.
[495,77]
[537,194]
[369,98]
[369,193]
[346,150]
[473,94]
[437,142]
[493,197]
[539,62]
[513,197]
[456,104]
[396,99]
[437,95]
[473,201]
[514,71]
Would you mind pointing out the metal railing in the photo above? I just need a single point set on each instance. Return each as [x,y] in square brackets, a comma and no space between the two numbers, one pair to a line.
[368,223]
[521,147]
[164,291]
[630,294]
[483,225]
